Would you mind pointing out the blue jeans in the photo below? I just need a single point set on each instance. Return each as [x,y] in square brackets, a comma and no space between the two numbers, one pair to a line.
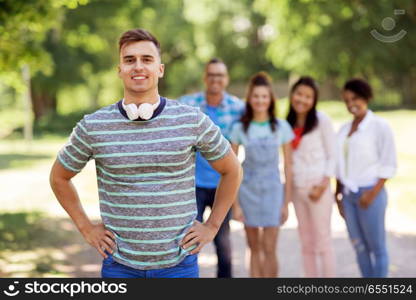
[205,197]
[367,232]
[187,268]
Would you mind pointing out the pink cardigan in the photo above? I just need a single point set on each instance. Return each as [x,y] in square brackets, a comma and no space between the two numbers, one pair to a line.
[315,157]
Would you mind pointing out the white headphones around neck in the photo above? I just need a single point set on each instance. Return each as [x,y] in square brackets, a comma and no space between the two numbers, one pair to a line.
[144,111]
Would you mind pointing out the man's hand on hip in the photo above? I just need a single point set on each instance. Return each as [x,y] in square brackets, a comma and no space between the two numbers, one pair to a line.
[199,235]
[100,238]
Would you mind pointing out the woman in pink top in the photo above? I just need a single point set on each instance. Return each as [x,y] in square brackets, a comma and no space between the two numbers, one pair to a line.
[313,165]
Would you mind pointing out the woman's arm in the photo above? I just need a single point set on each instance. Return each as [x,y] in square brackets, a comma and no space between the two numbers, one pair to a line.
[235,148]
[327,134]
[387,161]
[338,191]
[338,198]
[287,156]
[237,212]
[329,142]
[368,196]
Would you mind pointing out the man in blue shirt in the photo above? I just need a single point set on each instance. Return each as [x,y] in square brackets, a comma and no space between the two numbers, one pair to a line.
[224,110]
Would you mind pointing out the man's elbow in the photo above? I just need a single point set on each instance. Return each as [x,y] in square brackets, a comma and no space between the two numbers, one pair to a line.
[54,177]
[229,167]
[57,175]
[235,170]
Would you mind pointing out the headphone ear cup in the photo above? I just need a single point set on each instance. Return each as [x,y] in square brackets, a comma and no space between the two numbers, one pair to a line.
[145,111]
[132,111]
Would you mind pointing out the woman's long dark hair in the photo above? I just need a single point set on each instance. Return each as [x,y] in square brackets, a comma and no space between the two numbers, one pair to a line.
[259,79]
[311,117]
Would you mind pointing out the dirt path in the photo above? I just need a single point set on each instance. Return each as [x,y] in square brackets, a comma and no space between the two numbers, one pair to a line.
[401,246]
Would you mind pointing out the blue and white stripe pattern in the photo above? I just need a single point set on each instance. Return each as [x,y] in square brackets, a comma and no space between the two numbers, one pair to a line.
[230,109]
[146,176]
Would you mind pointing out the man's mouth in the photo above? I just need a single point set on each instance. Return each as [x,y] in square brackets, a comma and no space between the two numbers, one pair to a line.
[139,77]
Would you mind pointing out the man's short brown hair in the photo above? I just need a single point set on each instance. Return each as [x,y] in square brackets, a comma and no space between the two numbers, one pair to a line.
[137,35]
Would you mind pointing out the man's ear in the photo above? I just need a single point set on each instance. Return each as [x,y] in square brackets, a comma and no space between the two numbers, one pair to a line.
[161,70]
[227,80]
[118,71]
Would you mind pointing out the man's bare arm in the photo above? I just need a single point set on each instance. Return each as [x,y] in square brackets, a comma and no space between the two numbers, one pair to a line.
[95,234]
[231,175]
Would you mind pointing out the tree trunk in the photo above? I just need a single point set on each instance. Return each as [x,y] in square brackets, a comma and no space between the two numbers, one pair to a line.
[43,102]
[28,127]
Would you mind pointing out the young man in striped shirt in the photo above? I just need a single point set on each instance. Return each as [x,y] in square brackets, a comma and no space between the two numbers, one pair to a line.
[144,149]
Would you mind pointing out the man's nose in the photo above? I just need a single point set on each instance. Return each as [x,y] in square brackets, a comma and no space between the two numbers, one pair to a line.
[138,65]
[216,80]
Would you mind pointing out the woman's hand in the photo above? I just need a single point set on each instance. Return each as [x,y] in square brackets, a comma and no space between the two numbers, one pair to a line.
[285,214]
[367,198]
[316,192]
[338,200]
[237,213]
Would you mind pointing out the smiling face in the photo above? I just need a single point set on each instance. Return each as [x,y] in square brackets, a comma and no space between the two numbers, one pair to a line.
[216,78]
[302,99]
[140,68]
[260,99]
[356,104]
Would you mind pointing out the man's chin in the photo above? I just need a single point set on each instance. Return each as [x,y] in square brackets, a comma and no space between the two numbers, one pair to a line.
[139,90]
[215,91]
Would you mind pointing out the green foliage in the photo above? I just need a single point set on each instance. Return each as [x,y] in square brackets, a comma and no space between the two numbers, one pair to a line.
[23,25]
[61,125]
[82,50]
[11,113]
[71,47]
[331,39]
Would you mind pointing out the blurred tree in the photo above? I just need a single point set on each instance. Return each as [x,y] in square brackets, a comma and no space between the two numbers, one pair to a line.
[23,25]
[68,45]
[84,47]
[81,48]
[233,31]
[331,39]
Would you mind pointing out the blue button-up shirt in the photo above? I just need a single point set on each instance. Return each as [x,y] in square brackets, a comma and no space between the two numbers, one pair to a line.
[224,116]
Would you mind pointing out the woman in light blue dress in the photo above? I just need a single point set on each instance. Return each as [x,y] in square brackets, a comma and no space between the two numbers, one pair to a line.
[263,200]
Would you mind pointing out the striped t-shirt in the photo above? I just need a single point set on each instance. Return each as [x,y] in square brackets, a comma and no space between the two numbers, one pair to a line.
[146,176]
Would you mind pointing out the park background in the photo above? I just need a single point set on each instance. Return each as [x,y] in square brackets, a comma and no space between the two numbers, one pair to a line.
[58,61]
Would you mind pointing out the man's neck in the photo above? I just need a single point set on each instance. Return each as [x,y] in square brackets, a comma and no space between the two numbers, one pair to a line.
[214,99]
[138,98]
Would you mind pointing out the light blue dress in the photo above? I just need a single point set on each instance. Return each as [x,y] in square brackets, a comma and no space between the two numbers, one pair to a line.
[261,194]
